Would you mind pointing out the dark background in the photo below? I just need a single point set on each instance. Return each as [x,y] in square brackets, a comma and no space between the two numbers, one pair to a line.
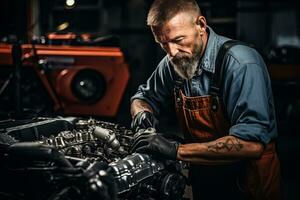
[272,26]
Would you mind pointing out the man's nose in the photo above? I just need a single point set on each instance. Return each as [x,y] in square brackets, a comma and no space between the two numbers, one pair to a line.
[172,49]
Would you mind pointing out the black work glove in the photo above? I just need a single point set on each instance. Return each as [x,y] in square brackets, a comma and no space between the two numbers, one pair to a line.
[156,145]
[143,120]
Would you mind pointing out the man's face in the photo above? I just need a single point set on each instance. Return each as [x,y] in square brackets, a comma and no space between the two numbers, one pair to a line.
[183,39]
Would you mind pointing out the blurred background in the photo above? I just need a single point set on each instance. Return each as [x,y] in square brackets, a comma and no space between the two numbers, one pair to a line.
[87,58]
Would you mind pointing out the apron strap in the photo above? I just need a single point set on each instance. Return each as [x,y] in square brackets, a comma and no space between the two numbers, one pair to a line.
[217,78]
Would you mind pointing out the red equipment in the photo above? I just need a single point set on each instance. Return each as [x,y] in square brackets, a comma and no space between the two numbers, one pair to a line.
[80,80]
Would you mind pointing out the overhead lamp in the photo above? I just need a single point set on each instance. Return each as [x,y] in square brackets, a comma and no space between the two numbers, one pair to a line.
[70,4]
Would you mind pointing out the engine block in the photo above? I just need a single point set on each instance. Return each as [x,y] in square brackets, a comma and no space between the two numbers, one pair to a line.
[45,147]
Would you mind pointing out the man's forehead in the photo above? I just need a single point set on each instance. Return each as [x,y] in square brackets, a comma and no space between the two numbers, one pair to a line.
[177,24]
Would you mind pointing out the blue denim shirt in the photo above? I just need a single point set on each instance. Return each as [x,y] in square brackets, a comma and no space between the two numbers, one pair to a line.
[246,91]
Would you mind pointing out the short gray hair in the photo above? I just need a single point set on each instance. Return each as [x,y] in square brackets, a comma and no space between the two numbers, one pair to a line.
[162,11]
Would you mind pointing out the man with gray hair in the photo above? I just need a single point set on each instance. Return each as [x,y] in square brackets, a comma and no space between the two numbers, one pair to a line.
[223,100]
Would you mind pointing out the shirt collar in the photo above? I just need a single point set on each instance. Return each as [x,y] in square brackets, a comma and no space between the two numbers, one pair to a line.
[207,62]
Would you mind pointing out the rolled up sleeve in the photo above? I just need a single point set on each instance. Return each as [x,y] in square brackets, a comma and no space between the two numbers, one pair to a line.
[249,104]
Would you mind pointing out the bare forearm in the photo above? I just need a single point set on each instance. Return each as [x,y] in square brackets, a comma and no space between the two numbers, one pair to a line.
[138,105]
[221,151]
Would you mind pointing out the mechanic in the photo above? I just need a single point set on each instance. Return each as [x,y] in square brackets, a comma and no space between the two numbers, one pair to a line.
[225,107]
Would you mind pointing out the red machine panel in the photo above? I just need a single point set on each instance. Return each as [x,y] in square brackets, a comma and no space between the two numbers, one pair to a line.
[80,80]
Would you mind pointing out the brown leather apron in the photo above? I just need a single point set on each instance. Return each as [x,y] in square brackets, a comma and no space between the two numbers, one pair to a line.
[202,120]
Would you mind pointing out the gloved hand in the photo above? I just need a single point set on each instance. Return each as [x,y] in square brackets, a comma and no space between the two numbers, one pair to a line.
[155,144]
[143,120]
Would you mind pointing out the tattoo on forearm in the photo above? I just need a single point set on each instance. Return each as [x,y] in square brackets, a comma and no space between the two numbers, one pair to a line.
[229,145]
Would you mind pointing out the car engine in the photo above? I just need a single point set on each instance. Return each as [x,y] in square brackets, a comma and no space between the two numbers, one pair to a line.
[76,158]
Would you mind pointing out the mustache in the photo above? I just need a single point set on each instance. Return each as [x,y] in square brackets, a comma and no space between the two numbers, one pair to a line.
[180,56]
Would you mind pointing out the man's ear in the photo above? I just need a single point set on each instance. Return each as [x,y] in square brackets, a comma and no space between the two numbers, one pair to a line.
[201,23]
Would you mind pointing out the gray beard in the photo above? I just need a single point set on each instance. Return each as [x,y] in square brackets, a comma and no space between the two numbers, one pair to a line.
[184,66]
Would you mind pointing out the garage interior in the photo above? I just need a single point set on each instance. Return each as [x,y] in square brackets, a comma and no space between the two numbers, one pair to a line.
[55,38]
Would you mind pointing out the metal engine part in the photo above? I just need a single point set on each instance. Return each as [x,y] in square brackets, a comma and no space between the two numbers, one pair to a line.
[63,152]
[159,180]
